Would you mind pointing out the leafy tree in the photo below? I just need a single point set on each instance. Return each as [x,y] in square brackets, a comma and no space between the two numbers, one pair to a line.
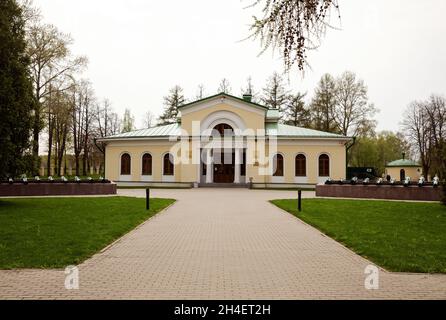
[292,26]
[275,95]
[16,98]
[295,112]
[172,101]
[128,122]
[323,105]
[376,151]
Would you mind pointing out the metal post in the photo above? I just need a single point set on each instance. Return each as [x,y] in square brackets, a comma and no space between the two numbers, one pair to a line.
[147,198]
[299,200]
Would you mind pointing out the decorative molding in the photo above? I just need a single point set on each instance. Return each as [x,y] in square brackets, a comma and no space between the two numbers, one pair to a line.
[218,101]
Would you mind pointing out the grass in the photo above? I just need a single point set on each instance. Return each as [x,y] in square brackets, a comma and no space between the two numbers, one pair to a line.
[56,232]
[399,236]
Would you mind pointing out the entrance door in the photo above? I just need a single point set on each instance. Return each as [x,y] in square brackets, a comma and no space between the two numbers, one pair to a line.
[402,175]
[224,166]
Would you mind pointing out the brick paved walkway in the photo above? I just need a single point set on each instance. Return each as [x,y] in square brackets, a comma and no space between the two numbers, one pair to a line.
[222,244]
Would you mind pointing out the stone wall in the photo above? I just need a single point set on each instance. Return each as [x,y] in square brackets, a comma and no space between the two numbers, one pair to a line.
[56,188]
[399,192]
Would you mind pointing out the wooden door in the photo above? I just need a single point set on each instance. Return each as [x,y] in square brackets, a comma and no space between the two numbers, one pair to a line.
[224,172]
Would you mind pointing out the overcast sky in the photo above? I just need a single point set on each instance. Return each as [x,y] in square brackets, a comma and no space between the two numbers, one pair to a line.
[138,49]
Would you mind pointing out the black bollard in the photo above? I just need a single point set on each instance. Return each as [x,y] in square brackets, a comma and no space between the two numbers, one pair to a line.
[299,200]
[147,198]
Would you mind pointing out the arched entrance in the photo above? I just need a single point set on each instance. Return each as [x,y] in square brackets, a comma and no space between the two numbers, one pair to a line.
[402,175]
[223,149]
[224,158]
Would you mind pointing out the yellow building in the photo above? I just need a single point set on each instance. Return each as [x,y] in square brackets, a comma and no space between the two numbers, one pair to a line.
[402,168]
[225,139]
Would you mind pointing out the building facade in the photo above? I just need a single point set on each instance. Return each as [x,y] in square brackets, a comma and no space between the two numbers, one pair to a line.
[402,168]
[226,139]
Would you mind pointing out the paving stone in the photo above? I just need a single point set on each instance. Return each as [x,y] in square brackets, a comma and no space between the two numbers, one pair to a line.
[222,244]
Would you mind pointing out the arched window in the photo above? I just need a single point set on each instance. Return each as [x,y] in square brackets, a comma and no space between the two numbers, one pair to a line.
[146,164]
[168,165]
[300,166]
[223,129]
[278,165]
[324,165]
[125,164]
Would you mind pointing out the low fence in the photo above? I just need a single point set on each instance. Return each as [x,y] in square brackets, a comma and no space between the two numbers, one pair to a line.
[394,192]
[284,186]
[10,189]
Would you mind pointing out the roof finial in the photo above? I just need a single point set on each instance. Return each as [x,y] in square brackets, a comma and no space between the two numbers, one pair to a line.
[404,156]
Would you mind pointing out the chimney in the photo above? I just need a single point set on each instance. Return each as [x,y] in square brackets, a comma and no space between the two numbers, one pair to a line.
[247,97]
[404,155]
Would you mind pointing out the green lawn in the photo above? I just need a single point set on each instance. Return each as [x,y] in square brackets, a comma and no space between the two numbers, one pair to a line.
[399,236]
[56,232]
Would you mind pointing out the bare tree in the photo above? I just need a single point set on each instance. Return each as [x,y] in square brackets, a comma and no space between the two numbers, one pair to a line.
[62,123]
[425,127]
[435,110]
[89,101]
[107,123]
[51,61]
[353,113]
[224,86]
[30,13]
[200,92]
[83,100]
[416,128]
[149,119]
[292,26]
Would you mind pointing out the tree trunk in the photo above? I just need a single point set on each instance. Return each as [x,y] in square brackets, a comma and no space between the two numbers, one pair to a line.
[35,142]
[61,150]
[50,142]
[76,163]
[50,148]
[425,171]
[84,163]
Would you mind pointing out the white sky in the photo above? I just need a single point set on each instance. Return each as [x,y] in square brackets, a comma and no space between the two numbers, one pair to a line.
[138,49]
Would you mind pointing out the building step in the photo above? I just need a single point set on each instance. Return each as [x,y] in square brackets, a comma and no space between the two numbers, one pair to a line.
[223,185]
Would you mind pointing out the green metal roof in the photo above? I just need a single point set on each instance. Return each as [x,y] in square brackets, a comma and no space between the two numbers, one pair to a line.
[403,163]
[283,130]
[272,129]
[158,131]
[272,114]
[222,94]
